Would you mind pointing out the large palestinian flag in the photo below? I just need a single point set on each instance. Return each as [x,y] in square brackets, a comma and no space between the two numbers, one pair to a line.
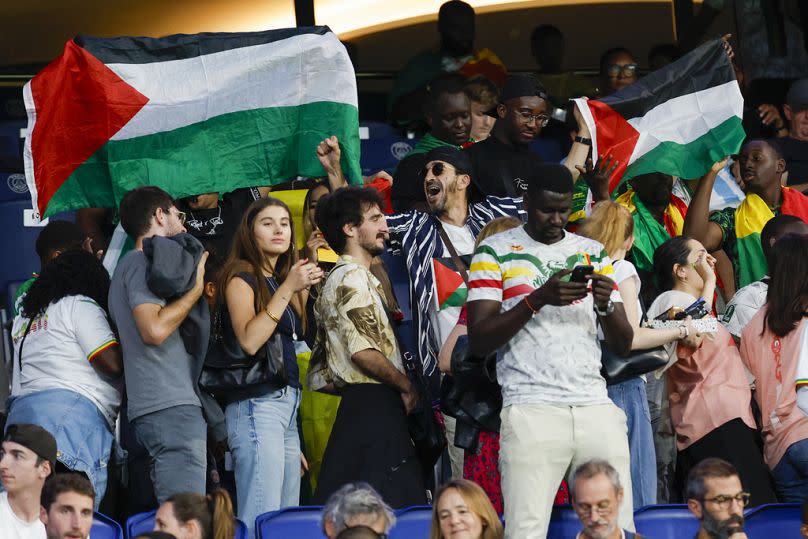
[188,113]
[678,120]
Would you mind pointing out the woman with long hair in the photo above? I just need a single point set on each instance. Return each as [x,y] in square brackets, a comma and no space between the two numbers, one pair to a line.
[265,289]
[462,509]
[67,363]
[188,515]
[773,347]
[709,394]
[612,225]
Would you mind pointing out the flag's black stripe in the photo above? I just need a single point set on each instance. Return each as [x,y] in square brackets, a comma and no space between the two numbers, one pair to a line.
[703,68]
[144,50]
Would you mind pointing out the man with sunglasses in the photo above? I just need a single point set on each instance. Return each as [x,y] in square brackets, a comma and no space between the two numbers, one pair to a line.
[503,161]
[716,498]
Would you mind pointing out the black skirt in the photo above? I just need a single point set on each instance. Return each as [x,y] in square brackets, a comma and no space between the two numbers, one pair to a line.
[370,442]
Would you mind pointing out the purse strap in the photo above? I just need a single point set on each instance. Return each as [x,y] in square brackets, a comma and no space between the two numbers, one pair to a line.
[458,262]
[22,342]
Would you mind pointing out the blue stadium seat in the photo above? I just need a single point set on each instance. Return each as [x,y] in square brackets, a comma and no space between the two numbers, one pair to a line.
[144,522]
[666,521]
[564,523]
[298,522]
[774,520]
[400,279]
[412,522]
[549,150]
[105,528]
[384,153]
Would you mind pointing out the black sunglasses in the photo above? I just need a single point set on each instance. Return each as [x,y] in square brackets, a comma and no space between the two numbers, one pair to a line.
[437,169]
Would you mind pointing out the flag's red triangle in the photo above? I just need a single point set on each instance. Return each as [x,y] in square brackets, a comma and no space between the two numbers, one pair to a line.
[80,104]
[447,280]
[615,137]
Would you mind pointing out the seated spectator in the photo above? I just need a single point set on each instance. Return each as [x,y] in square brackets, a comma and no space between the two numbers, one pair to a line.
[618,69]
[717,499]
[520,306]
[27,459]
[264,288]
[612,225]
[462,509]
[748,301]
[708,390]
[67,506]
[67,359]
[483,96]
[188,515]
[547,45]
[794,147]
[596,497]
[736,231]
[502,163]
[448,113]
[356,354]
[54,239]
[772,347]
[356,504]
[455,54]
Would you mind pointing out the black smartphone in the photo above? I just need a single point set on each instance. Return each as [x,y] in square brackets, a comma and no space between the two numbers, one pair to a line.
[579,273]
[696,311]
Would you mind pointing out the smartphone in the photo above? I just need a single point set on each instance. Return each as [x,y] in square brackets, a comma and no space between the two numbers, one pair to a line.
[579,273]
[696,311]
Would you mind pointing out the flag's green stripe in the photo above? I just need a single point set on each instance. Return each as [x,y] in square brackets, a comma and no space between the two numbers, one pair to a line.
[240,149]
[456,298]
[753,266]
[694,159]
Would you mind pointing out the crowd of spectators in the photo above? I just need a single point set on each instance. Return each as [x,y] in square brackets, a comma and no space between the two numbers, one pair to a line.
[524,277]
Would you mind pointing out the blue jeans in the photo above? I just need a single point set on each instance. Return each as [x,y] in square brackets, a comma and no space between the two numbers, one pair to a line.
[791,473]
[176,440]
[263,438]
[83,436]
[630,396]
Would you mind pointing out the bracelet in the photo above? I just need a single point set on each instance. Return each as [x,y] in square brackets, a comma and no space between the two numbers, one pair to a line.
[684,334]
[529,306]
[272,316]
[584,140]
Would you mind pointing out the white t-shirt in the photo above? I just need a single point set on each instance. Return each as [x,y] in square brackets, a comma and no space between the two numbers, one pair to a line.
[59,350]
[13,527]
[744,305]
[555,357]
[444,319]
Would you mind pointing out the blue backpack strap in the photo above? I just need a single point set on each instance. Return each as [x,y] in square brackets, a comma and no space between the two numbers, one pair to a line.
[628,534]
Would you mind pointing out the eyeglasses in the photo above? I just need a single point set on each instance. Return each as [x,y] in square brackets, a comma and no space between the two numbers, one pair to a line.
[181,216]
[724,501]
[603,508]
[437,169]
[626,70]
[540,119]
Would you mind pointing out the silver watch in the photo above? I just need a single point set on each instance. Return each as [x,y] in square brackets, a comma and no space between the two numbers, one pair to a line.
[609,309]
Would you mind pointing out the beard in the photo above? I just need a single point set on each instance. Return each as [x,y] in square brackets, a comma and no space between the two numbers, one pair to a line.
[592,534]
[722,529]
[372,246]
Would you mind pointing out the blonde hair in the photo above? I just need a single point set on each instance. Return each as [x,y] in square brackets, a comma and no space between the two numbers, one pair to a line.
[500,224]
[477,502]
[483,91]
[214,512]
[609,223]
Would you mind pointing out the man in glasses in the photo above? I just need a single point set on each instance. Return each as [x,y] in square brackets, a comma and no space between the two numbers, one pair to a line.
[596,498]
[618,69]
[716,498]
[503,161]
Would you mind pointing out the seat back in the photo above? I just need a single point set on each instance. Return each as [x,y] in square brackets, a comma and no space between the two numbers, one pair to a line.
[298,522]
[666,521]
[774,520]
[105,528]
[400,279]
[564,523]
[412,522]
[144,522]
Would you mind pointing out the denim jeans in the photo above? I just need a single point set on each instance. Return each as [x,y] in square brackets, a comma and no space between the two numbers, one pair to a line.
[263,438]
[83,436]
[630,396]
[791,473]
[176,440]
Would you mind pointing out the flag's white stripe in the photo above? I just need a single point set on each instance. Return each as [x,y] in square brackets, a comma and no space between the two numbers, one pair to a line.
[586,113]
[188,91]
[28,156]
[685,118]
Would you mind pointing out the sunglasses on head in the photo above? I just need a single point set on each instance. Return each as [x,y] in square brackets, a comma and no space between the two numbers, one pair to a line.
[627,70]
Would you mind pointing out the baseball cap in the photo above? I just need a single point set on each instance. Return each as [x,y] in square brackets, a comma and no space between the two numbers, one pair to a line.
[797,97]
[520,85]
[449,154]
[35,438]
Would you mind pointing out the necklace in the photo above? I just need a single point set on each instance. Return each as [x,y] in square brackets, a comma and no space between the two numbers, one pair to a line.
[197,224]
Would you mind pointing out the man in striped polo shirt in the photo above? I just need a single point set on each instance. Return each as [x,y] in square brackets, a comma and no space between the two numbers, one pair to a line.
[521,303]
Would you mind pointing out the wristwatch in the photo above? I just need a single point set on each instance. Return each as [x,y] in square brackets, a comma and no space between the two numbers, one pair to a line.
[584,140]
[609,309]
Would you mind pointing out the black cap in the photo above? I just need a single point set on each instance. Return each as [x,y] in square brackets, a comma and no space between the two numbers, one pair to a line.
[797,97]
[449,154]
[553,177]
[521,85]
[34,438]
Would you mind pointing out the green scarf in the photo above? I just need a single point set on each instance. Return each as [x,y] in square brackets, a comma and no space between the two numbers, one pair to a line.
[429,142]
[648,235]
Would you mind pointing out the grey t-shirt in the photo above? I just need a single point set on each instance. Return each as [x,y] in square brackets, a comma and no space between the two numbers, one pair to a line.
[157,377]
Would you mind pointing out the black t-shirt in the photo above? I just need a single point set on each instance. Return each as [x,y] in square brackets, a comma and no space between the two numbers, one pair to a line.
[498,168]
[216,227]
[795,152]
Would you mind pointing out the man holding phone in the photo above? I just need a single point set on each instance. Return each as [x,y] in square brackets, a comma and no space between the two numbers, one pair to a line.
[536,296]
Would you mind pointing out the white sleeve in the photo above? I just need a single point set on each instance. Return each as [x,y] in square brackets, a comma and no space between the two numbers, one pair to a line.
[802,399]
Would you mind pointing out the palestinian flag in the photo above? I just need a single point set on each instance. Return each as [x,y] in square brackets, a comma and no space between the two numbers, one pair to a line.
[678,120]
[450,290]
[188,113]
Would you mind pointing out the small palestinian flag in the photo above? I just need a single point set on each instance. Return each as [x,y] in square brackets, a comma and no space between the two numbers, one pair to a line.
[450,290]
[188,113]
[678,120]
